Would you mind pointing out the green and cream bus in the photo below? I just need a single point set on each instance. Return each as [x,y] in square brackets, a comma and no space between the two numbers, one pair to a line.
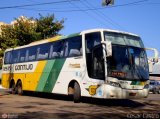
[97,63]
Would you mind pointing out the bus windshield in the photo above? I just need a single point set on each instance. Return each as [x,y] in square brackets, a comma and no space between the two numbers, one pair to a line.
[128,61]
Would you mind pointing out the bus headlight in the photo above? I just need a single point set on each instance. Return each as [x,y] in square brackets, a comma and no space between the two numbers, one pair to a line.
[115,84]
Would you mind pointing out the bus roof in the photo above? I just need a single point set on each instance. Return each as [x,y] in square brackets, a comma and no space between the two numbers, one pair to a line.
[108,30]
[60,37]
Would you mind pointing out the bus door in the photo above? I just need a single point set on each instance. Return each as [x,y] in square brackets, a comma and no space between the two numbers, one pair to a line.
[94,58]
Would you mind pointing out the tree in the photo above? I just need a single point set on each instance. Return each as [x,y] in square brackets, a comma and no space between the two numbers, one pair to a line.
[48,26]
[25,31]
[7,38]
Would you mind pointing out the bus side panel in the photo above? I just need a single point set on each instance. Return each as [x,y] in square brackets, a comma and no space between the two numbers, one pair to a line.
[45,75]
[32,78]
[5,80]
[28,77]
[73,70]
[54,74]
[7,75]
[50,75]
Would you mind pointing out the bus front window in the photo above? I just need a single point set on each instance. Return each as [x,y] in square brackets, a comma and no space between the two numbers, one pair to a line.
[128,63]
[128,60]
[119,64]
[140,64]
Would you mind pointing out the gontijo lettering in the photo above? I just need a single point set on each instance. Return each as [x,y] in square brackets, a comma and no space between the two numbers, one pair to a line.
[24,67]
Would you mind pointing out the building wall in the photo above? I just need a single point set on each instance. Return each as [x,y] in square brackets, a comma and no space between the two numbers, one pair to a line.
[155,74]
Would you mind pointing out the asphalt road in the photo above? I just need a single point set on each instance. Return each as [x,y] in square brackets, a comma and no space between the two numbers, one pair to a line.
[153,97]
[49,106]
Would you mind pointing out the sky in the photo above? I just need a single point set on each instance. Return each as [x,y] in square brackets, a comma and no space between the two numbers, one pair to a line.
[141,17]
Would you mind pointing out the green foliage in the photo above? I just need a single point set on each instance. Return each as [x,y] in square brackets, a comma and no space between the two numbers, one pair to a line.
[7,37]
[26,30]
[48,26]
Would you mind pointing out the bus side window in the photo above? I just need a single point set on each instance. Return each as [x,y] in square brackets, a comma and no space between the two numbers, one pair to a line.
[73,47]
[7,58]
[61,48]
[56,49]
[16,55]
[43,51]
[27,55]
[92,40]
[22,55]
[31,54]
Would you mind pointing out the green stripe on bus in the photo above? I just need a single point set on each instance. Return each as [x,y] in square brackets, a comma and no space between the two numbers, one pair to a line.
[45,75]
[53,76]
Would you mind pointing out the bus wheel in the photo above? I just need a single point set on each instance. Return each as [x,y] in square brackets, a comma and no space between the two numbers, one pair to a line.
[19,88]
[13,88]
[159,91]
[77,93]
[154,91]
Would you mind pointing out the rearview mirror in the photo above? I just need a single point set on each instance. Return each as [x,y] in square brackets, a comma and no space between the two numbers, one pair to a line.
[108,48]
[156,54]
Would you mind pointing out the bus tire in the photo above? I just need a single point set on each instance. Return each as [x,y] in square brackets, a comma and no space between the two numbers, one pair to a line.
[77,93]
[159,91]
[154,91]
[13,88]
[19,88]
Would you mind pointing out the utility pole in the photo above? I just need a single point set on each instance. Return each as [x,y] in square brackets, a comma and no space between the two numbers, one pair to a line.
[107,2]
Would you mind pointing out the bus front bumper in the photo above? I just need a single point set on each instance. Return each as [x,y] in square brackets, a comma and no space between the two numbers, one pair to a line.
[111,92]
